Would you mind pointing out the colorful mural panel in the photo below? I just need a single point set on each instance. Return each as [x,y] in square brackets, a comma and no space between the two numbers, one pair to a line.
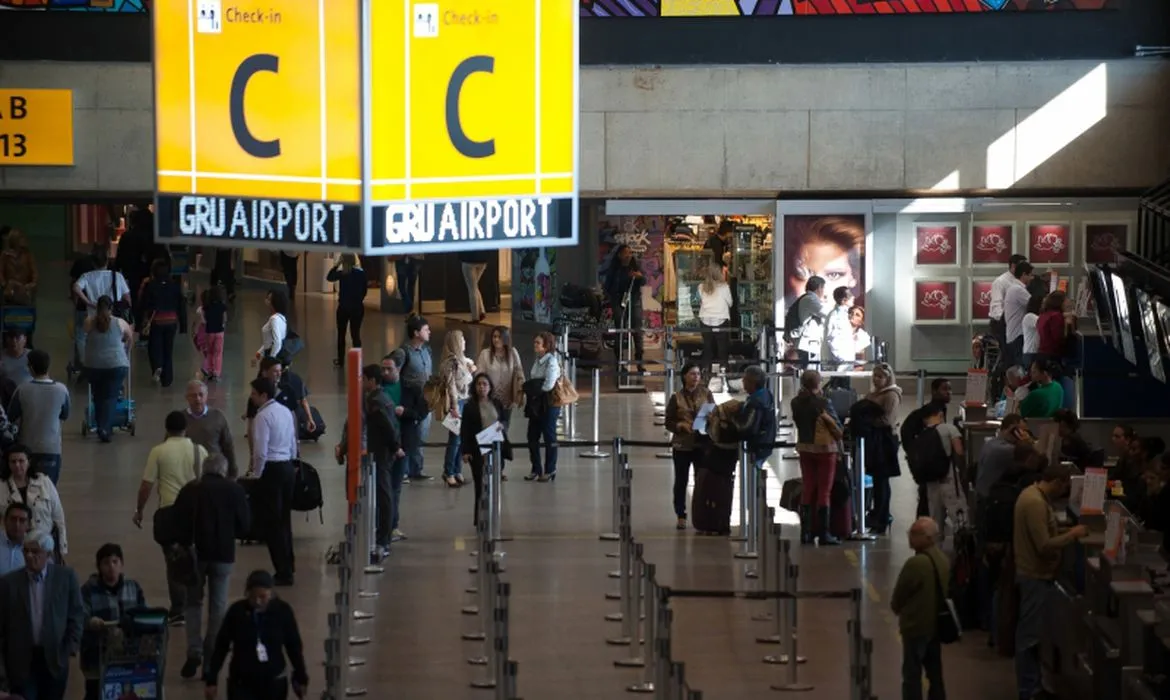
[774,8]
[78,5]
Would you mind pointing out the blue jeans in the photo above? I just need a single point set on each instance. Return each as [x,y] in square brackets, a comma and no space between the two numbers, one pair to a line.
[415,454]
[106,385]
[452,459]
[544,427]
[922,655]
[214,575]
[49,465]
[880,517]
[1034,597]
[397,476]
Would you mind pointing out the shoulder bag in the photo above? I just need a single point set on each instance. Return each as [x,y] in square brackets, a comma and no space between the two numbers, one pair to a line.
[182,562]
[563,392]
[120,308]
[946,628]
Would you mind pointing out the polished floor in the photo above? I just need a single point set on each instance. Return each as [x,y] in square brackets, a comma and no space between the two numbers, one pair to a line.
[556,564]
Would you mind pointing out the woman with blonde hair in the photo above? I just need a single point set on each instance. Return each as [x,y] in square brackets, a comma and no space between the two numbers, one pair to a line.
[456,371]
[501,363]
[715,302]
[352,285]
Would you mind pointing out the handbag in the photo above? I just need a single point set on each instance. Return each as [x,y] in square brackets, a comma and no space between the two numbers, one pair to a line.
[120,308]
[563,392]
[182,561]
[293,344]
[947,628]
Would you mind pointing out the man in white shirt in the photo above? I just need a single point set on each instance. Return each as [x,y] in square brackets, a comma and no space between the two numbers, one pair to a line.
[998,290]
[274,447]
[1015,305]
[840,352]
[93,285]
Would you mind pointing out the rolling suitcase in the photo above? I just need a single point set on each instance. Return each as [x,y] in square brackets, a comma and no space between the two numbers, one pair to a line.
[711,502]
[251,490]
[302,432]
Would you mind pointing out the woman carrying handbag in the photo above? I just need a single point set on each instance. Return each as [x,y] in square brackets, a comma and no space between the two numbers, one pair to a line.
[541,409]
[479,413]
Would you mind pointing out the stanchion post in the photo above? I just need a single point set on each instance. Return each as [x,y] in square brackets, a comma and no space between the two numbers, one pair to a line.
[491,628]
[653,605]
[625,559]
[372,564]
[625,506]
[663,659]
[632,609]
[862,534]
[779,609]
[768,581]
[1079,391]
[595,401]
[496,477]
[759,532]
[629,614]
[616,477]
[745,496]
[920,377]
[501,642]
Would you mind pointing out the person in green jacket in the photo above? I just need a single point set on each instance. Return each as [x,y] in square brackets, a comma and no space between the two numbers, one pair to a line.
[916,603]
[1046,397]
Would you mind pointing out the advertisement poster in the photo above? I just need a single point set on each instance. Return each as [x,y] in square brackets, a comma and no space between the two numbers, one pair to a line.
[803,8]
[646,237]
[936,301]
[992,244]
[936,244]
[1049,244]
[1103,241]
[534,285]
[830,247]
[980,299]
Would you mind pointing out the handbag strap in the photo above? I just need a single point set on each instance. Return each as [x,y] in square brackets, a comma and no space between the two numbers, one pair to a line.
[938,591]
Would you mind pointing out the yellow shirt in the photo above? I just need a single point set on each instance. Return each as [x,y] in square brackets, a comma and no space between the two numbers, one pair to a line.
[172,465]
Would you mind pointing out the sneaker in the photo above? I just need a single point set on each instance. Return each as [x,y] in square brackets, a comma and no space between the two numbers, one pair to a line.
[191,668]
[383,552]
[176,620]
[157,376]
[397,535]
[422,477]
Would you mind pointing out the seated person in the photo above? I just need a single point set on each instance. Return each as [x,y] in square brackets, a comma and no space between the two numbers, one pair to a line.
[1119,440]
[1015,388]
[105,597]
[1143,458]
[1154,508]
[18,269]
[1073,446]
[1045,396]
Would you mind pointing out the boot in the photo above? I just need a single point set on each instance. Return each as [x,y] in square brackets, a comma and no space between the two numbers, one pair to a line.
[806,525]
[825,536]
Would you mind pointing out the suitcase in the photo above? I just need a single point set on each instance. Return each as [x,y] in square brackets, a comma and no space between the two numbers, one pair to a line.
[251,490]
[711,502]
[791,493]
[303,434]
[840,519]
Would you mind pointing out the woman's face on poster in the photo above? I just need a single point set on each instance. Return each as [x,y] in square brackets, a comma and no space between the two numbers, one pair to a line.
[824,260]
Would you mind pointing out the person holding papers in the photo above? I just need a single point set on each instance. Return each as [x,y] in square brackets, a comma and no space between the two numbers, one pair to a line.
[689,403]
[481,428]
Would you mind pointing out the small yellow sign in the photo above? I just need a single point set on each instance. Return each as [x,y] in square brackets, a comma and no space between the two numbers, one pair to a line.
[36,127]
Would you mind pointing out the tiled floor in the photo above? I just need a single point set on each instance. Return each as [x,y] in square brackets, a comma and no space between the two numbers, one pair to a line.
[556,564]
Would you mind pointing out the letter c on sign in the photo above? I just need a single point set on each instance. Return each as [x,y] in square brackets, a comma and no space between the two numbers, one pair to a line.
[261,62]
[459,138]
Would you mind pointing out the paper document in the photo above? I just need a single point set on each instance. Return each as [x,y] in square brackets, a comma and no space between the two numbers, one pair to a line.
[699,425]
[1093,494]
[452,424]
[489,436]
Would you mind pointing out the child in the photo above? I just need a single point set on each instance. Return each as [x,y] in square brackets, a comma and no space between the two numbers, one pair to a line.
[209,336]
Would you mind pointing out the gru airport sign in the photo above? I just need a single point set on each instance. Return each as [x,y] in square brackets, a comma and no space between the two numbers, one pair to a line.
[379,126]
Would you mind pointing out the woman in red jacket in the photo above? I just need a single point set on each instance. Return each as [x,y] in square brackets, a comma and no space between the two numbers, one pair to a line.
[1056,329]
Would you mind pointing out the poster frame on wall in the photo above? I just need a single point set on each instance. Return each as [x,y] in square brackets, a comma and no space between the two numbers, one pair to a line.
[959,313]
[844,207]
[1084,236]
[1026,242]
[1013,243]
[955,224]
[971,302]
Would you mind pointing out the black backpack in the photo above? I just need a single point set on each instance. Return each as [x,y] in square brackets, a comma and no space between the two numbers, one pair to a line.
[1000,515]
[930,459]
[792,319]
[307,492]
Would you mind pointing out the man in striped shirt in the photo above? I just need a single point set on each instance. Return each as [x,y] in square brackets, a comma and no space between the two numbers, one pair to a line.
[274,443]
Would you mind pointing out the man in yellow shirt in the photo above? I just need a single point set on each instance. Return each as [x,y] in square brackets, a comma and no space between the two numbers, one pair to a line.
[172,464]
[1037,543]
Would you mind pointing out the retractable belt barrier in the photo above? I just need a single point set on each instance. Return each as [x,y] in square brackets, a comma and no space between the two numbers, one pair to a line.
[491,606]
[356,563]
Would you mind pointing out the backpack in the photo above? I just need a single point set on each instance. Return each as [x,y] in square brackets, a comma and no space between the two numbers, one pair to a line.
[930,459]
[307,492]
[792,325]
[1000,516]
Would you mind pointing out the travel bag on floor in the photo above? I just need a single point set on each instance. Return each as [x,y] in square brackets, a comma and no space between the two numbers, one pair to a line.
[711,502]
[302,432]
[252,491]
[307,492]
[791,493]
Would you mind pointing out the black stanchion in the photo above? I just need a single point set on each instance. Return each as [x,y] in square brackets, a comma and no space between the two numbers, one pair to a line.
[615,479]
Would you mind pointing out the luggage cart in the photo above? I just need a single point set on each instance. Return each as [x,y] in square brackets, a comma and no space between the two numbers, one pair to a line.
[133,657]
[123,412]
[19,318]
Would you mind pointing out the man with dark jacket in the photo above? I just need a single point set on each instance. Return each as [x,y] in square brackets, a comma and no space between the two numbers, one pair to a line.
[259,631]
[915,423]
[756,422]
[411,411]
[218,513]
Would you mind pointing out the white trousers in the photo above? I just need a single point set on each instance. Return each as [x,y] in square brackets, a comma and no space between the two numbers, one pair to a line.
[471,274]
[947,504]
